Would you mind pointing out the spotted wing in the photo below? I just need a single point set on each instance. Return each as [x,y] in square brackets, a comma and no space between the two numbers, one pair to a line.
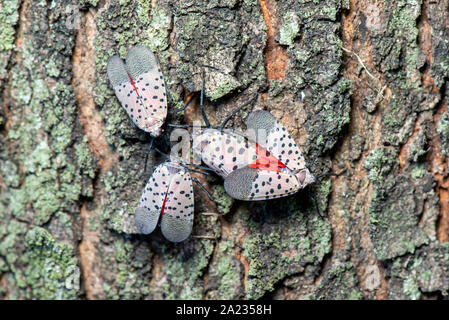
[152,200]
[148,81]
[263,128]
[225,152]
[177,217]
[124,89]
[254,184]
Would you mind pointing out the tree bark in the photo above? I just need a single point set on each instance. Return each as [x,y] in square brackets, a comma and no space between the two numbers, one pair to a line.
[360,85]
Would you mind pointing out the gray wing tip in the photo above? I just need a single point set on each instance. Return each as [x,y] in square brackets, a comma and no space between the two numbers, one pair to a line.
[258,113]
[260,119]
[116,70]
[145,220]
[114,59]
[176,230]
[140,59]
[138,50]
[238,183]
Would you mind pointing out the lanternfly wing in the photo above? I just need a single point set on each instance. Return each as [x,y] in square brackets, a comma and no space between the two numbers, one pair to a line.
[263,128]
[254,184]
[140,88]
[168,193]
[123,88]
[225,152]
[145,71]
[177,217]
[152,200]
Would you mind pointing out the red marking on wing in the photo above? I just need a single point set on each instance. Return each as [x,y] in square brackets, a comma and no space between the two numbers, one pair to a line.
[132,82]
[163,204]
[266,161]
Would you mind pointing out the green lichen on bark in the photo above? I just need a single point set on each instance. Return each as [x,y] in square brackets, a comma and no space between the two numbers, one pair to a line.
[426,271]
[9,16]
[52,270]
[223,201]
[225,274]
[184,266]
[313,84]
[127,276]
[231,37]
[288,237]
[439,69]
[44,123]
[47,169]
[339,283]
[401,66]
[443,131]
[45,179]
[396,204]
[285,238]
[403,207]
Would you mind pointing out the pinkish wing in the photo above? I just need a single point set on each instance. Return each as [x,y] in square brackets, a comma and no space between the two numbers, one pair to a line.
[254,184]
[124,89]
[148,80]
[140,88]
[177,218]
[151,202]
[267,131]
[225,152]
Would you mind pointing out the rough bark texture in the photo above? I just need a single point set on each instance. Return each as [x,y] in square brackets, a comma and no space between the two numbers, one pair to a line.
[363,84]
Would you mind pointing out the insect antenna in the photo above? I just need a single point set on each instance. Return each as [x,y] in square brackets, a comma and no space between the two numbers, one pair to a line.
[328,174]
[186,164]
[312,195]
[229,117]
[161,153]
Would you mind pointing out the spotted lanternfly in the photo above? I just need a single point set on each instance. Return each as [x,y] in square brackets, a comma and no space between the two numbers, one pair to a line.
[168,197]
[140,88]
[280,168]
[266,165]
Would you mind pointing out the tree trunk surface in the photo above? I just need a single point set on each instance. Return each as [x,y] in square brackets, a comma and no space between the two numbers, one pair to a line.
[360,85]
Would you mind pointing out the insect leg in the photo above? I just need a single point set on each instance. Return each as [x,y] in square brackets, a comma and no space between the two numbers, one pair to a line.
[131,135]
[202,167]
[203,188]
[199,171]
[148,152]
[183,108]
[205,237]
[174,125]
[312,196]
[203,112]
